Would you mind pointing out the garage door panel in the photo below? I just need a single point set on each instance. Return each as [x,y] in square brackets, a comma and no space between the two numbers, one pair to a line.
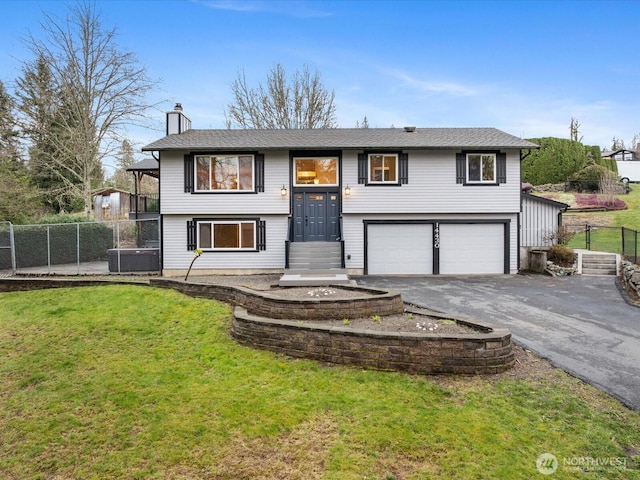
[472,248]
[400,249]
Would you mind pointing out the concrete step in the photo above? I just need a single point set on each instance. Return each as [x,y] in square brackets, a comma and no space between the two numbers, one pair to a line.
[599,264]
[315,255]
[598,271]
[320,277]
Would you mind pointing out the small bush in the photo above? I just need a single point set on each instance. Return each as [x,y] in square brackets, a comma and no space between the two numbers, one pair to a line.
[561,255]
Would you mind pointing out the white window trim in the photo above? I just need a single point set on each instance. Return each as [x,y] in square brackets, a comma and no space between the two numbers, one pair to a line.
[382,182]
[237,157]
[495,168]
[227,222]
[295,172]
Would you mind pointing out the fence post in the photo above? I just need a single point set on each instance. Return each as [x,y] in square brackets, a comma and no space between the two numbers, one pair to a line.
[49,249]
[587,236]
[12,243]
[78,246]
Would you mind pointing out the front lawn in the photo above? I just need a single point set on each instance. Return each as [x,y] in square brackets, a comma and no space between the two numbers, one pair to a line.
[135,382]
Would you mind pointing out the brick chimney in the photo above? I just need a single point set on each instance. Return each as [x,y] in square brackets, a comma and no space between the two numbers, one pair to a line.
[176,121]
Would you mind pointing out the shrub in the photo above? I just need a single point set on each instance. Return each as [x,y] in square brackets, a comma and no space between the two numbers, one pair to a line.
[561,255]
[600,201]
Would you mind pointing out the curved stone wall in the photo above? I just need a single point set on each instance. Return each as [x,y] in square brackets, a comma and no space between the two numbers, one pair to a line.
[488,351]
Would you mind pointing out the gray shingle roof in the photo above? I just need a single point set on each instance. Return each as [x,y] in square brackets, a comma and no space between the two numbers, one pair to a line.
[339,138]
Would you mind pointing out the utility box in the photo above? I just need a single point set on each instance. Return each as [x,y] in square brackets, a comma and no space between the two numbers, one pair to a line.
[134,259]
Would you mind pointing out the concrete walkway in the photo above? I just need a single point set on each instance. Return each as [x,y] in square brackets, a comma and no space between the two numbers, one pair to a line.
[581,323]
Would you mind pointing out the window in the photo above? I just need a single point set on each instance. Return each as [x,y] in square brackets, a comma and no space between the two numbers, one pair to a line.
[481,168]
[226,235]
[383,168]
[316,171]
[378,168]
[216,173]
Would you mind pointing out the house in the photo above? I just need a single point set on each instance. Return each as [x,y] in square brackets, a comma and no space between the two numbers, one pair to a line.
[366,200]
[110,203]
[628,163]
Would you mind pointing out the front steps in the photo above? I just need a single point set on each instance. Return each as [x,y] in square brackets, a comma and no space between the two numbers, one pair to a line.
[599,264]
[314,263]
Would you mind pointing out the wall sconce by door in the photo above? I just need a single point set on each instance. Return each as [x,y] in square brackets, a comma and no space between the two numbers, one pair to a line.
[283,191]
[347,191]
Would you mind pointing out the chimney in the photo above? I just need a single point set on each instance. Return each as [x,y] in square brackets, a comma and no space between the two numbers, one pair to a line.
[176,121]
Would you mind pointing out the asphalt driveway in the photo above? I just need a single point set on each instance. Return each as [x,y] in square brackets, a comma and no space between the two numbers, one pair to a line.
[581,323]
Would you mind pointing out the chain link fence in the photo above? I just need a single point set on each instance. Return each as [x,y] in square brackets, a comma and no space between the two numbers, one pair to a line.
[117,246]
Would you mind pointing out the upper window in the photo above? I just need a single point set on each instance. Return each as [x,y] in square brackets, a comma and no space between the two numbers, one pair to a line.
[481,168]
[223,173]
[223,235]
[383,168]
[316,171]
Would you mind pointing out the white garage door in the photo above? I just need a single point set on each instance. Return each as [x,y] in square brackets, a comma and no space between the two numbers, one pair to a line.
[400,249]
[473,248]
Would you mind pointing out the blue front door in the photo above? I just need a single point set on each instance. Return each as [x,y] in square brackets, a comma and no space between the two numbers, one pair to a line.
[315,217]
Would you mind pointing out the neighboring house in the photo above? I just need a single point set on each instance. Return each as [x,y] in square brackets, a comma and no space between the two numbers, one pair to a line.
[628,162]
[110,203]
[389,201]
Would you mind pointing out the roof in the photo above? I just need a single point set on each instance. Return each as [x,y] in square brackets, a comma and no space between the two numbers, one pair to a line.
[146,164]
[340,138]
[108,191]
[548,201]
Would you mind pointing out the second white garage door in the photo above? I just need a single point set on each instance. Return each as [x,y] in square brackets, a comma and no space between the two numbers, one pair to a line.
[471,248]
[400,249]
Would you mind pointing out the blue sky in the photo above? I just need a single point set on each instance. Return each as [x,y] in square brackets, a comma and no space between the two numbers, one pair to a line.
[525,67]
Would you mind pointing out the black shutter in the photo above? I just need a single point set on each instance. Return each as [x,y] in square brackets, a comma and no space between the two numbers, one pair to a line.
[188,173]
[501,167]
[362,168]
[262,235]
[404,168]
[461,167]
[191,235]
[259,165]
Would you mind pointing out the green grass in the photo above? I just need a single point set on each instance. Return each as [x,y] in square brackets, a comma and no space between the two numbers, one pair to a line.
[135,382]
[608,239]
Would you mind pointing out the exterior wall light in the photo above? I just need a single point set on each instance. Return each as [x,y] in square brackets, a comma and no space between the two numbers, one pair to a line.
[283,191]
[347,191]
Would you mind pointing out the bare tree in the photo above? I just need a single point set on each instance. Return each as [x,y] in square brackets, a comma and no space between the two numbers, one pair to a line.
[574,130]
[98,90]
[301,102]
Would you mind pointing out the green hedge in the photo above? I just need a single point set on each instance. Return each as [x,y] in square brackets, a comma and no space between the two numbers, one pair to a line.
[31,244]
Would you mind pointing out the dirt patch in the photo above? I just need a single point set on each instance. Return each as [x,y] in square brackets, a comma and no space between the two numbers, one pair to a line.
[412,323]
[317,293]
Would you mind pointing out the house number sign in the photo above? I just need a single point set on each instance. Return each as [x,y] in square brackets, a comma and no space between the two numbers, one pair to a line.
[436,235]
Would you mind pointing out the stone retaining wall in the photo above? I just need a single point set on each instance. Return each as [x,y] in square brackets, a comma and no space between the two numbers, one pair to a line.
[630,277]
[422,353]
[373,301]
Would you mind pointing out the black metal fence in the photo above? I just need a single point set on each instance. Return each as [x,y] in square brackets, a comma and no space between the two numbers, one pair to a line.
[604,238]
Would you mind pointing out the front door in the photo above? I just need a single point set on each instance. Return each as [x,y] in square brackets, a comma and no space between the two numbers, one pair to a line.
[315,217]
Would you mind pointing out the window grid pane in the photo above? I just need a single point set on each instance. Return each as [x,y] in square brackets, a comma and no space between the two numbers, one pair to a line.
[226,235]
[224,173]
[383,168]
